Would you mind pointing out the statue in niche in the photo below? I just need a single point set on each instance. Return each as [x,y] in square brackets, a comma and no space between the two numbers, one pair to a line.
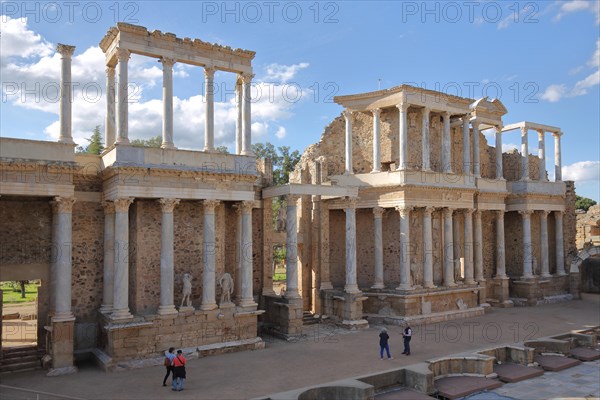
[226,283]
[534,266]
[187,290]
[457,274]
[281,219]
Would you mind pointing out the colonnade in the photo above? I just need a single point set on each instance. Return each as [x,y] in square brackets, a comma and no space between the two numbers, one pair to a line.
[528,272]
[525,176]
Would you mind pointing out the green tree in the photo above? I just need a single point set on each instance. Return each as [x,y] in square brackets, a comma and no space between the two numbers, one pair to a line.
[94,146]
[282,159]
[583,203]
[155,141]
[222,149]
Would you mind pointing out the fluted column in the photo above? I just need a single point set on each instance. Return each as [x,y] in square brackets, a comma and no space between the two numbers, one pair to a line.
[557,157]
[123,105]
[348,141]
[108,276]
[402,137]
[524,154]
[66,98]
[542,156]
[238,126]
[121,285]
[456,243]
[545,273]
[427,248]
[446,144]
[291,247]
[351,282]
[478,247]
[109,124]
[209,273]
[405,283]
[378,213]
[560,245]
[167,260]
[466,145]
[247,118]
[167,132]
[500,246]
[62,213]
[527,248]
[376,140]
[247,296]
[448,249]
[468,253]
[209,120]
[499,168]
[237,287]
[476,161]
[425,140]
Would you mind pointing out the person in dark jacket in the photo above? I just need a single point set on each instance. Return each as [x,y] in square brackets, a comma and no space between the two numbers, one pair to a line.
[383,344]
[169,356]
[407,334]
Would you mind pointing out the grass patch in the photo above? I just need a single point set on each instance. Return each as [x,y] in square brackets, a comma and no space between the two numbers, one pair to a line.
[278,277]
[13,296]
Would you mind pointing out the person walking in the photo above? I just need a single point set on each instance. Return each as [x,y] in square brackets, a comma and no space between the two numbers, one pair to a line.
[179,362]
[169,356]
[407,335]
[383,344]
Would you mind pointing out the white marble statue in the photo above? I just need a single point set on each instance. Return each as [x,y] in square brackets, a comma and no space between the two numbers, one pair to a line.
[187,290]
[281,219]
[226,283]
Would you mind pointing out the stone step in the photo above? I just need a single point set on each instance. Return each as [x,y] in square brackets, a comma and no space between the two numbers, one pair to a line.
[455,387]
[12,360]
[555,363]
[21,352]
[20,366]
[585,353]
[511,373]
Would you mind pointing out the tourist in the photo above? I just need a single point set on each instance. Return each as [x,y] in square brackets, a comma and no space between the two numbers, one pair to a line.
[407,336]
[383,344]
[179,371]
[169,356]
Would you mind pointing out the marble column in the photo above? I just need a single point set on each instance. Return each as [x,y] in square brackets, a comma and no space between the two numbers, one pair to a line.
[108,277]
[123,105]
[167,131]
[557,157]
[500,246]
[456,244]
[238,126]
[66,93]
[478,247]
[545,273]
[209,278]
[560,244]
[542,156]
[402,137]
[427,248]
[167,260]
[448,249]
[524,154]
[405,248]
[499,167]
[121,285]
[324,248]
[247,255]
[247,118]
[62,214]
[378,213]
[446,144]
[110,123]
[291,247]
[348,141]
[425,140]
[468,254]
[351,282]
[466,145]
[476,162]
[239,252]
[527,245]
[376,140]
[209,120]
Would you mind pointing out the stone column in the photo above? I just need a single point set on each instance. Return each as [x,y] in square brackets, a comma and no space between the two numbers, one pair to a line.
[560,245]
[167,261]
[544,244]
[378,213]
[209,273]
[123,106]
[376,140]
[425,140]
[524,154]
[66,100]
[348,140]
[247,118]
[402,137]
[247,255]
[239,252]
[557,157]
[499,168]
[291,247]
[500,247]
[446,144]
[456,249]
[121,285]
[405,281]
[108,277]
[527,248]
[167,132]
[469,247]
[109,124]
[542,156]
[476,163]
[209,120]
[324,233]
[466,145]
[448,249]
[238,126]
[478,247]
[427,248]
[351,285]
[62,212]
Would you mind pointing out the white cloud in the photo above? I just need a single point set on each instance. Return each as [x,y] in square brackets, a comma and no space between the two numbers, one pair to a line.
[582,171]
[18,40]
[572,6]
[508,147]
[283,73]
[280,134]
[553,93]
[582,86]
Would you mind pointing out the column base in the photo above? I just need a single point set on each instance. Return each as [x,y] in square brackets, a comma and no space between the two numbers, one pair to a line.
[227,304]
[247,153]
[208,149]
[377,286]
[353,288]
[470,282]
[62,371]
[121,314]
[106,309]
[451,284]
[405,286]
[186,309]
[208,307]
[169,146]
[66,140]
[268,291]
[429,285]
[291,295]
[167,310]
[63,317]
[527,277]
[546,275]
[326,286]
[375,171]
[562,273]
[247,303]
[122,141]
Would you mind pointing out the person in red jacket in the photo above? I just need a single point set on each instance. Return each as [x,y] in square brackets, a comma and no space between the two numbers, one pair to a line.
[179,371]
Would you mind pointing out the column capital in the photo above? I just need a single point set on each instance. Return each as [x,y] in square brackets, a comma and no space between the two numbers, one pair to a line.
[428,210]
[376,112]
[498,129]
[545,212]
[468,211]
[123,54]
[426,110]
[559,213]
[110,71]
[500,213]
[526,212]
[448,211]
[347,113]
[466,118]
[122,204]
[167,63]
[168,205]
[475,122]
[524,130]
[378,211]
[445,114]
[109,207]
[209,71]
[541,133]
[402,106]
[350,203]
[210,205]
[62,205]
[65,50]
[292,198]
[246,77]
[557,134]
[477,213]
[247,206]
[404,210]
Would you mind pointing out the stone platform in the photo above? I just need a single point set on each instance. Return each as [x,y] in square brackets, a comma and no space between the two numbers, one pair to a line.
[555,363]
[511,372]
[585,354]
[402,394]
[455,387]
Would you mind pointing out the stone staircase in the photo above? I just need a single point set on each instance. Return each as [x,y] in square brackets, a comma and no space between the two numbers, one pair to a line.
[21,359]
[308,318]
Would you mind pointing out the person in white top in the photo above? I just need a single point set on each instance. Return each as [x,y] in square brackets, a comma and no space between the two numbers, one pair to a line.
[407,335]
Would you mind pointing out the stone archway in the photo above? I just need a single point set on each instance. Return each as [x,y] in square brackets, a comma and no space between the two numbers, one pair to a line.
[578,273]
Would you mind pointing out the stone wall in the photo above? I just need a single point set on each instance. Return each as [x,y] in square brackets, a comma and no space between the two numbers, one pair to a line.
[588,227]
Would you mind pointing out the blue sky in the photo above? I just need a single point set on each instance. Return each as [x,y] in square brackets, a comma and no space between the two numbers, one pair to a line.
[541,59]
